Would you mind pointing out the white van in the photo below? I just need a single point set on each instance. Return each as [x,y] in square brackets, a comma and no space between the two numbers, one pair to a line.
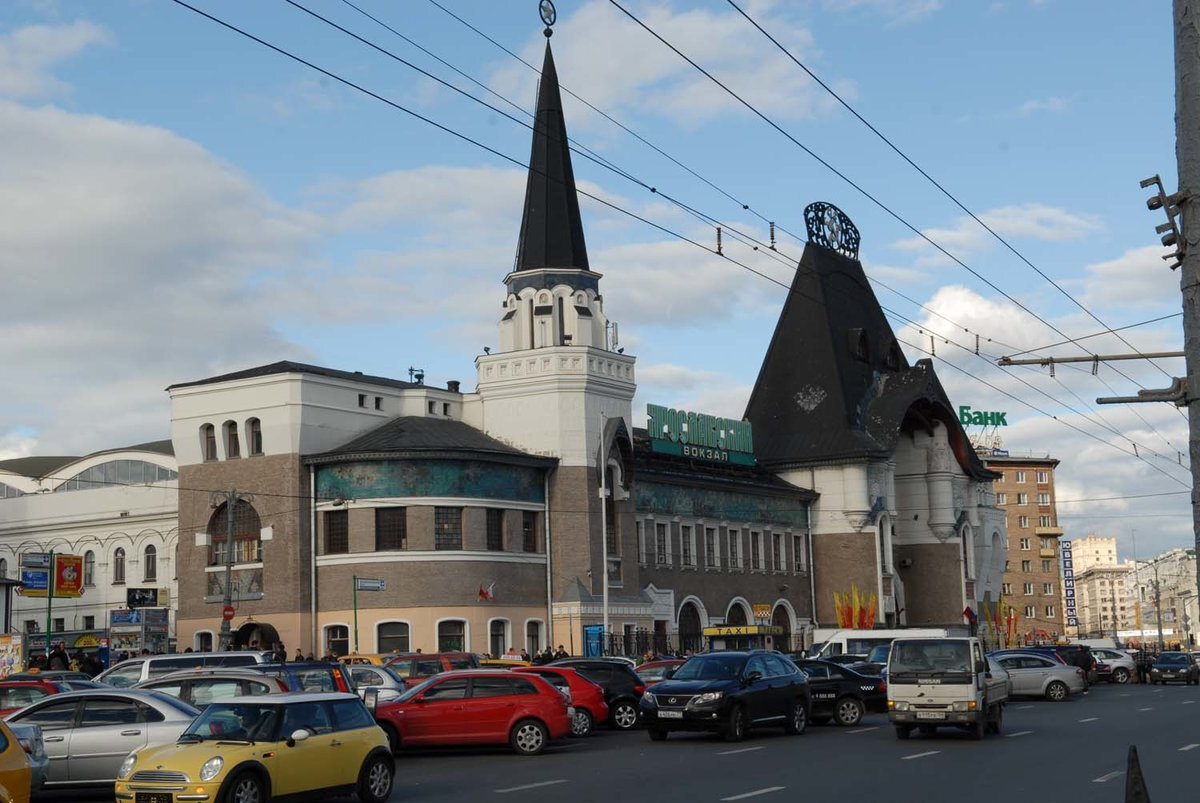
[860,642]
[135,670]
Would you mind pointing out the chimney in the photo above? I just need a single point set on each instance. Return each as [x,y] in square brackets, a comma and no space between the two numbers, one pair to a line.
[452,385]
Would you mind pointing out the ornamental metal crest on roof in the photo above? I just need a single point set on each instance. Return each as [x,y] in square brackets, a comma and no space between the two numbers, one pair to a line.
[829,227]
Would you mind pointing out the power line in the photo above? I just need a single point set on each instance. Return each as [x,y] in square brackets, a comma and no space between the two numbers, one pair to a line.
[1099,334]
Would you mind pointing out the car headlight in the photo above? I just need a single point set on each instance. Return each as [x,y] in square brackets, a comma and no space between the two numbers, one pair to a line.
[901,705]
[127,765]
[650,698]
[209,769]
[708,697]
[963,705]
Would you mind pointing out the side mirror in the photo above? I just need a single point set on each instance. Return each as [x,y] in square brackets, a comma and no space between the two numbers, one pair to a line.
[298,735]
[420,698]
[753,677]
[670,673]
[370,697]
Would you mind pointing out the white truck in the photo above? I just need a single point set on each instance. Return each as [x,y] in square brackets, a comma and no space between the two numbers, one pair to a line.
[847,641]
[943,682]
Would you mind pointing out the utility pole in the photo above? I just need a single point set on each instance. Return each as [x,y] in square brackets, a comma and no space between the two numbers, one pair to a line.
[1158,606]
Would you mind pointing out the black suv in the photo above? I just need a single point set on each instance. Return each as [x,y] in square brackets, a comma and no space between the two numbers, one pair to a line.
[840,693]
[727,693]
[622,686]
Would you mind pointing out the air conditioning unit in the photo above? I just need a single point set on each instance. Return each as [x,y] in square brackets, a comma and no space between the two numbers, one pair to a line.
[905,563]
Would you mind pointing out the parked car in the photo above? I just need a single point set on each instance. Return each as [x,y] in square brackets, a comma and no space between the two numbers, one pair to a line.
[729,692]
[15,694]
[16,776]
[203,687]
[59,675]
[587,698]
[1079,655]
[418,667]
[1175,667]
[220,755]
[1033,674]
[30,738]
[387,683]
[841,694]
[135,670]
[311,675]
[652,672]
[88,733]
[372,658]
[622,687]
[477,706]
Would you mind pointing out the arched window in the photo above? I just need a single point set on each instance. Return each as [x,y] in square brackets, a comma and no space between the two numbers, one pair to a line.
[233,447]
[392,637]
[337,639]
[208,442]
[247,532]
[89,568]
[118,571]
[254,436]
[150,564]
[452,636]
[203,641]
[3,567]
[117,472]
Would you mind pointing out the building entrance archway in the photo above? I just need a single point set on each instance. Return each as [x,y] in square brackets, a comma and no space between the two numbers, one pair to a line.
[256,636]
[691,636]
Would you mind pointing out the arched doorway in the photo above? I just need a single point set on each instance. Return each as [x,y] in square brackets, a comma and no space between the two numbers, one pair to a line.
[691,636]
[255,636]
[781,617]
[736,617]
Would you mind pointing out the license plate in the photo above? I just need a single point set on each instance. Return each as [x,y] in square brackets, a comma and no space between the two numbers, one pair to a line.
[153,797]
[670,715]
[923,715]
[1168,674]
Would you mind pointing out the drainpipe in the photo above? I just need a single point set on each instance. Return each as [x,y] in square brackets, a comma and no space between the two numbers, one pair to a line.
[549,577]
[312,557]
[812,566]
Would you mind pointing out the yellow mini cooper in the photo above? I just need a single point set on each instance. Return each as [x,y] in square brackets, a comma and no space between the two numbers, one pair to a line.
[253,749]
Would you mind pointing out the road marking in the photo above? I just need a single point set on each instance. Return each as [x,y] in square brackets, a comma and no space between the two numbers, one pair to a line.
[1019,733]
[1187,702]
[920,755]
[1023,707]
[864,730]
[1188,747]
[1108,777]
[1090,719]
[528,786]
[741,750]
[1122,695]
[755,793]
[1151,708]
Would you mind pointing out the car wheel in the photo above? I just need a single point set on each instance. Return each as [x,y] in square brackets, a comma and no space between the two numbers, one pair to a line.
[1056,692]
[392,737]
[375,779]
[528,737]
[735,726]
[246,788]
[1120,675]
[581,723]
[657,735]
[849,711]
[624,715]
[903,731]
[798,722]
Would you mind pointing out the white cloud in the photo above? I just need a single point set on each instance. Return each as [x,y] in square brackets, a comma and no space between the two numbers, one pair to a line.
[898,11]
[1032,221]
[1137,278]
[29,54]
[1050,104]
[689,389]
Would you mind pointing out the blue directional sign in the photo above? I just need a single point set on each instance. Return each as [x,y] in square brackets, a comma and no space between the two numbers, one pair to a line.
[368,584]
[35,579]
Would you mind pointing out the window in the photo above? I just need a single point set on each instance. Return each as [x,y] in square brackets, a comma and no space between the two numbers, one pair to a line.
[208,442]
[491,687]
[119,472]
[1043,477]
[254,436]
[233,447]
[204,641]
[150,564]
[1024,543]
[710,547]
[777,552]
[1047,588]
[247,534]
[452,635]
[756,556]
[1028,589]
[431,407]
[686,545]
[447,528]
[337,532]
[31,626]
[1026,565]
[58,625]
[798,553]
[497,637]
[1022,521]
[661,543]
[1047,543]
[1050,612]
[445,409]
[362,400]
[337,639]
[533,637]
[1020,476]
[1046,567]
[1044,521]
[1022,499]
[641,539]
[4,567]
[378,402]
[392,637]
[89,568]
[350,715]
[529,531]
[1043,498]
[1001,499]
[1006,589]
[89,623]
[495,529]
[391,529]
[1030,611]
[735,553]
[118,566]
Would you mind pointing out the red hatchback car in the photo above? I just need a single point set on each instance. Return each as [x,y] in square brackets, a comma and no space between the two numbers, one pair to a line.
[16,694]
[587,698]
[477,706]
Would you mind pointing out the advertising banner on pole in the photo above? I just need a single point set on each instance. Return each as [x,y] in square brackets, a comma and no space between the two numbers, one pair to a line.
[68,575]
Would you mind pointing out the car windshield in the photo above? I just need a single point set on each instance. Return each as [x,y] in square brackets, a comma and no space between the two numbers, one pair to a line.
[232,721]
[710,667]
[931,656]
[1172,658]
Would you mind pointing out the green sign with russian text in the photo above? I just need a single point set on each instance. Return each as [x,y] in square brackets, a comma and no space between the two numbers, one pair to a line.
[967,417]
[700,436]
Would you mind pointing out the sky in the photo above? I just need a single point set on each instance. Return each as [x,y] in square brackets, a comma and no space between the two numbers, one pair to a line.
[178,201]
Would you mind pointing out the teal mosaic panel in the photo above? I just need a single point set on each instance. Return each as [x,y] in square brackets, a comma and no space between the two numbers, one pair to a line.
[661,499]
[414,478]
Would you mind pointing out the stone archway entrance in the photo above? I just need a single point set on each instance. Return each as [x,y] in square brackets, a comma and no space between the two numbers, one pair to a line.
[256,636]
[780,617]
[736,616]
[691,636]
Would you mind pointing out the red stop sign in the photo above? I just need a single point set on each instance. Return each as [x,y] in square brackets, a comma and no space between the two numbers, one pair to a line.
[228,613]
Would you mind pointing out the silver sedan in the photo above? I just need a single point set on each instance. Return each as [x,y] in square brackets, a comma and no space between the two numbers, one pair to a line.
[87,734]
[1034,675]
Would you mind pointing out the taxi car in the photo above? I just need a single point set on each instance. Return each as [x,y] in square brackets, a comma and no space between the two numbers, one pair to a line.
[841,694]
[16,776]
[257,748]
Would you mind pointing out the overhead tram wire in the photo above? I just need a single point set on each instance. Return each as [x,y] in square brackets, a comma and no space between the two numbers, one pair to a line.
[1100,334]
[616,207]
[940,187]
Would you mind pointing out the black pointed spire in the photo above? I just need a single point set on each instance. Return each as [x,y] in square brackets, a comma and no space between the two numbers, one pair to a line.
[551,229]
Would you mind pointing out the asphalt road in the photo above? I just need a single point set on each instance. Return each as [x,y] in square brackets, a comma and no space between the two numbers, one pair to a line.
[1047,751]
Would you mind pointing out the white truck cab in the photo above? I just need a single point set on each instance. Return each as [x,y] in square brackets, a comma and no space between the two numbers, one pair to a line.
[943,682]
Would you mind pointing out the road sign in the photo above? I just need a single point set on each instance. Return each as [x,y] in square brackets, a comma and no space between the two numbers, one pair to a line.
[35,582]
[228,613]
[36,560]
[368,584]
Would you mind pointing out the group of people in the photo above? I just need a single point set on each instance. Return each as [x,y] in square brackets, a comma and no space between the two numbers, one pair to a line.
[60,659]
[544,657]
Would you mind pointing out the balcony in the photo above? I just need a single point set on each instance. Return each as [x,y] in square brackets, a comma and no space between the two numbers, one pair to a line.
[1047,530]
[1047,553]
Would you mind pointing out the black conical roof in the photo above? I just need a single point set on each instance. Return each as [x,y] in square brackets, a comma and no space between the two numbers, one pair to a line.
[551,229]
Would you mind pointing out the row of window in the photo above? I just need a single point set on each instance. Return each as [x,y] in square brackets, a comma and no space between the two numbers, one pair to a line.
[1042,477]
[452,636]
[1023,521]
[1031,611]
[1026,544]
[1027,566]
[391,530]
[1027,589]
[113,472]
[719,547]
[231,439]
[58,625]
[1043,498]
[149,566]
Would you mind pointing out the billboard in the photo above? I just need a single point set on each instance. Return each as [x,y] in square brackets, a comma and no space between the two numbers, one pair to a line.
[65,571]
[141,598]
